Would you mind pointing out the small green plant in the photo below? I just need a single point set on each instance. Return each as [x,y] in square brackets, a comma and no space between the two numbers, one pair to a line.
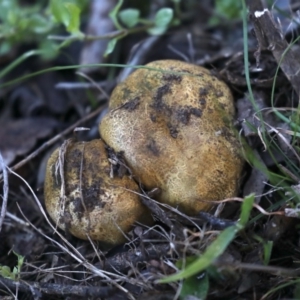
[226,10]
[38,23]
[68,14]
[14,274]
[131,17]
[217,247]
[197,270]
[21,24]
[33,23]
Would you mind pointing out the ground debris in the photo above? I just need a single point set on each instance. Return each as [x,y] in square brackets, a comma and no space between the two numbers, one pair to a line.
[270,37]
[18,137]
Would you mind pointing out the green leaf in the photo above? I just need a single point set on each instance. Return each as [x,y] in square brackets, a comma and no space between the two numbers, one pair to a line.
[217,247]
[245,211]
[39,24]
[194,286]
[129,17]
[20,260]
[74,20]
[157,30]
[297,291]
[268,246]
[67,13]
[49,49]
[230,9]
[60,12]
[162,20]
[110,47]
[5,47]
[114,15]
[163,17]
[5,272]
[12,17]
[15,271]
[213,251]
[6,7]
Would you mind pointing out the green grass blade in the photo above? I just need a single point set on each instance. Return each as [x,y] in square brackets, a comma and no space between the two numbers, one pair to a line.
[59,68]
[197,287]
[18,61]
[217,247]
[245,212]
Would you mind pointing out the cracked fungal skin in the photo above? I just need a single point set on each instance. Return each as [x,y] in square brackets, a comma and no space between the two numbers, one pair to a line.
[175,129]
[95,205]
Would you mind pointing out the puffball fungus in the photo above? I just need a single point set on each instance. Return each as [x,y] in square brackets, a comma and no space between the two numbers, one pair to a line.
[82,197]
[173,122]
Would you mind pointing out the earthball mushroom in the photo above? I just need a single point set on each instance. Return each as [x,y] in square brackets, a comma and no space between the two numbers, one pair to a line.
[83,196]
[173,121]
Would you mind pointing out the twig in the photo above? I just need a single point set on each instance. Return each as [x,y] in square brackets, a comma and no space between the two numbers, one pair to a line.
[138,56]
[59,289]
[259,268]
[68,247]
[54,140]
[5,190]
[89,38]
[124,261]
[216,223]
[109,84]
[115,34]
[16,219]
[94,83]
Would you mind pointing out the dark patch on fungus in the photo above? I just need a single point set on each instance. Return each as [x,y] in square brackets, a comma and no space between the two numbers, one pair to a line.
[92,199]
[153,117]
[219,94]
[66,220]
[173,131]
[70,186]
[119,166]
[126,93]
[172,78]
[158,103]
[223,106]
[227,133]
[92,196]
[73,160]
[152,147]
[183,114]
[202,102]
[78,208]
[92,192]
[220,172]
[161,91]
[203,92]
[197,112]
[189,72]
[132,104]
[209,86]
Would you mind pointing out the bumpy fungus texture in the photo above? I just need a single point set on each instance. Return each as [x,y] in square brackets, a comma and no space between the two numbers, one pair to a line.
[93,204]
[174,127]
